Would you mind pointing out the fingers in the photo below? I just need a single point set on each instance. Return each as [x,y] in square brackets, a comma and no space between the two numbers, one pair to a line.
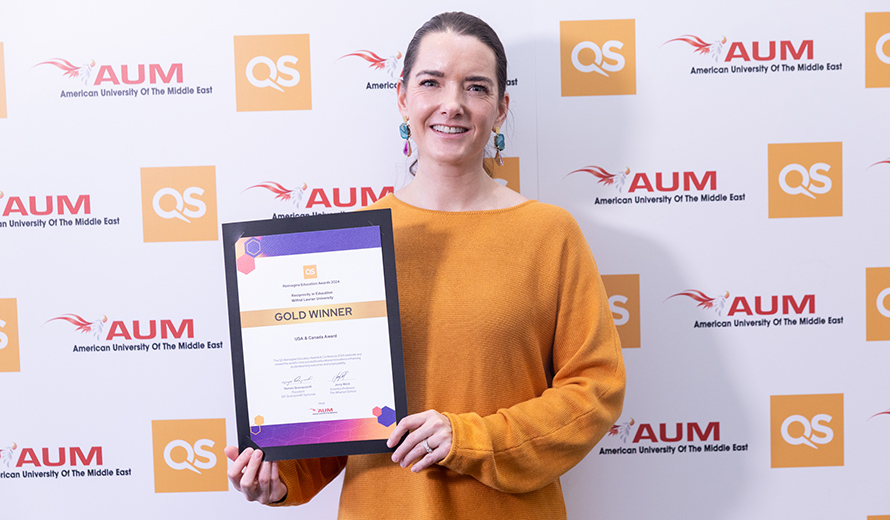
[248,481]
[231,452]
[408,423]
[431,428]
[428,459]
[256,480]
[239,464]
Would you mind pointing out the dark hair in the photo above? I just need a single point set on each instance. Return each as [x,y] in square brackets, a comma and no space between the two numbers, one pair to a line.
[465,25]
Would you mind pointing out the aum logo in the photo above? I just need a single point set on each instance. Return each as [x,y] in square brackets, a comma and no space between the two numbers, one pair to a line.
[187,455]
[391,65]
[877,50]
[598,57]
[179,204]
[805,180]
[624,301]
[272,72]
[807,430]
[9,336]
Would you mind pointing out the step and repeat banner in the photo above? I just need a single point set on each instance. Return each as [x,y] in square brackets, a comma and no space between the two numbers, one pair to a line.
[729,165]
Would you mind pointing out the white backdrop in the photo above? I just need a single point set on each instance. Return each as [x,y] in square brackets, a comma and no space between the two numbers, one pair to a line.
[86,308]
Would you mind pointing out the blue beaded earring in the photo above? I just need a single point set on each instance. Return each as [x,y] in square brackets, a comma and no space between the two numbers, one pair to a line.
[498,145]
[405,132]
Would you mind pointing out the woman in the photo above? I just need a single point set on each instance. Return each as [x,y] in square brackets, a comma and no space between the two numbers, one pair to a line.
[509,344]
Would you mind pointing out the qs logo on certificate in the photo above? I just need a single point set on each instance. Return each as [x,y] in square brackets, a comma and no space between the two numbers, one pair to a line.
[272,73]
[179,204]
[805,180]
[188,455]
[807,430]
[598,57]
[877,304]
[877,50]
[507,173]
[9,336]
[624,302]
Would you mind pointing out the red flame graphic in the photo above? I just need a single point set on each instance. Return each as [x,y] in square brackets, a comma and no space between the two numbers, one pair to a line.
[280,191]
[70,69]
[704,301]
[81,324]
[601,174]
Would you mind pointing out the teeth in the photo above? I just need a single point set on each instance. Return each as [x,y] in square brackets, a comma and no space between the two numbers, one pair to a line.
[449,129]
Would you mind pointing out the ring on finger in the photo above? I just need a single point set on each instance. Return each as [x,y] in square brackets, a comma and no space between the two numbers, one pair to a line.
[426,446]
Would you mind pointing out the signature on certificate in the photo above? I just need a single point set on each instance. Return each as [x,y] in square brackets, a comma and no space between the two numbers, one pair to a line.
[298,380]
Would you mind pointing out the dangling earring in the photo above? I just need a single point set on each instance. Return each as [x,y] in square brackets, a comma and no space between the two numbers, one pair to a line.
[498,145]
[405,132]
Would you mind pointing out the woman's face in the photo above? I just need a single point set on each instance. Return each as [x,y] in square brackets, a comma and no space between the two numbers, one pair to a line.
[451,99]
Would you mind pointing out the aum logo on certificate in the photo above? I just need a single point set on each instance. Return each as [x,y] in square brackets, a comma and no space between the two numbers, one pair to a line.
[316,342]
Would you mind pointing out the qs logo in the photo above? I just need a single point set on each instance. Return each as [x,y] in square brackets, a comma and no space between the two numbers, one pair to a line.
[507,173]
[597,57]
[9,336]
[309,271]
[2,84]
[624,302]
[272,72]
[877,50]
[807,430]
[877,304]
[805,180]
[187,455]
[179,204]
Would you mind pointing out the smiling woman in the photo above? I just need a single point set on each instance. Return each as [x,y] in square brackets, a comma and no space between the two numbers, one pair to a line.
[513,364]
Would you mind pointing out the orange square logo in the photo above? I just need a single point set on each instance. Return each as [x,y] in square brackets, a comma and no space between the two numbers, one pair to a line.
[507,173]
[877,304]
[272,73]
[805,180]
[624,302]
[877,50]
[2,84]
[309,271]
[179,204]
[188,455]
[9,336]
[598,57]
[807,430]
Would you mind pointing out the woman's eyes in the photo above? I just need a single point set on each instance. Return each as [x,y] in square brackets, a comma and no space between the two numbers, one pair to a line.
[482,89]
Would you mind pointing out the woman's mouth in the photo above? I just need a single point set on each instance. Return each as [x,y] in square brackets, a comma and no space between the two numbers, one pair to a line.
[449,129]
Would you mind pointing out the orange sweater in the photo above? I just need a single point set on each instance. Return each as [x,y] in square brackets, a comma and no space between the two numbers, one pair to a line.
[507,330]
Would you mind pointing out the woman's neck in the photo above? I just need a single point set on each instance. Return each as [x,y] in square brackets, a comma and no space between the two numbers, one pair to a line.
[444,188]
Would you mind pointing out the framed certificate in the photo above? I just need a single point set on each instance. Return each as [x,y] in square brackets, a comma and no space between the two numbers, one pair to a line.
[315,333]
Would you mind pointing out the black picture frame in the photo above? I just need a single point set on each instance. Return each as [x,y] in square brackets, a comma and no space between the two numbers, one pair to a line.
[232,232]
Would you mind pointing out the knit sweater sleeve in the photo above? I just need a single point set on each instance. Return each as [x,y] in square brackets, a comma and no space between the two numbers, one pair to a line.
[528,445]
[304,478]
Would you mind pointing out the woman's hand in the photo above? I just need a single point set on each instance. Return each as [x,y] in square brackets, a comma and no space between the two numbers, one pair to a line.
[257,480]
[428,443]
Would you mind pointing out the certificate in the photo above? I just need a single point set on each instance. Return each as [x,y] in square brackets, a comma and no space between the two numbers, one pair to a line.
[315,334]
